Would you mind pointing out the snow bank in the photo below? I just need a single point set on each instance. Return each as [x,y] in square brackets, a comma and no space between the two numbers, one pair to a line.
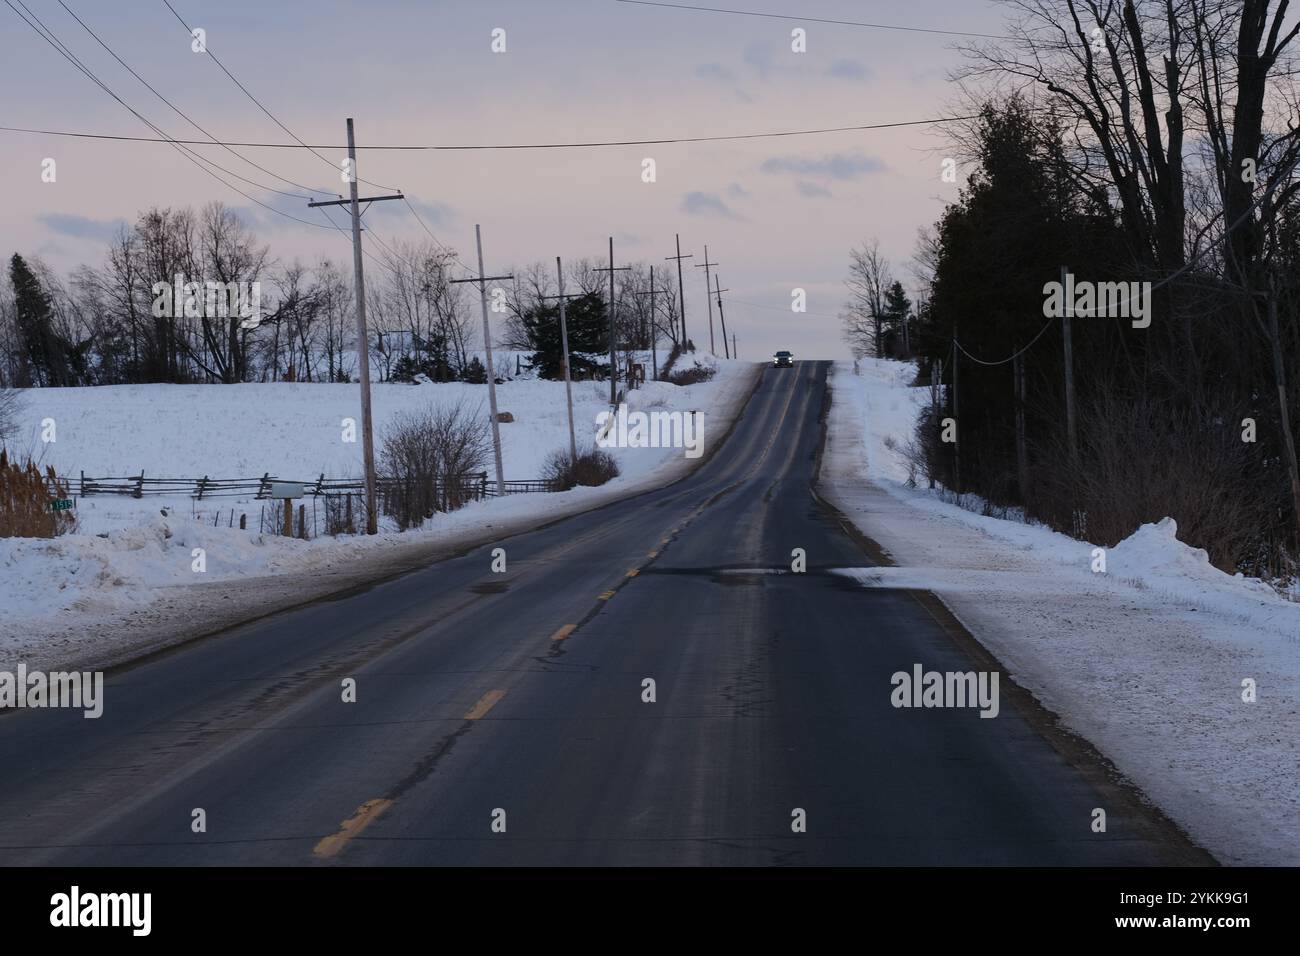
[130,555]
[1147,661]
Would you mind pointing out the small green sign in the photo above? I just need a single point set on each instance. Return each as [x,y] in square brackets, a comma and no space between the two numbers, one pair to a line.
[62,504]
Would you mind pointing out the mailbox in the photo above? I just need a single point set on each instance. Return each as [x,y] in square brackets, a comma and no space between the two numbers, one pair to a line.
[287,489]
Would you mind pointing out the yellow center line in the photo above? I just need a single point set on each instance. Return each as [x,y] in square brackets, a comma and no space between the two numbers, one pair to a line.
[653,554]
[634,572]
[564,632]
[485,703]
[604,595]
[367,813]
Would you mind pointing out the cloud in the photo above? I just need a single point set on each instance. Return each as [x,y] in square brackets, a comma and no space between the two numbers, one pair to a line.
[434,214]
[848,69]
[759,58]
[737,191]
[706,204]
[715,71]
[79,227]
[812,190]
[841,166]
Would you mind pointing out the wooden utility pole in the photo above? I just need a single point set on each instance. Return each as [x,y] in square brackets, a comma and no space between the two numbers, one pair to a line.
[482,281]
[654,329]
[1022,451]
[363,345]
[734,353]
[721,318]
[564,343]
[956,416]
[613,361]
[681,289]
[707,298]
[1067,312]
[936,387]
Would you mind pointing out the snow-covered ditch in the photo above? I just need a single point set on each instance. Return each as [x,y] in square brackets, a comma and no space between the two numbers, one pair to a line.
[1147,661]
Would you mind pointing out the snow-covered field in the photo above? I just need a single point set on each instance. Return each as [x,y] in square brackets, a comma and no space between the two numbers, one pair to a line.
[128,559]
[1147,661]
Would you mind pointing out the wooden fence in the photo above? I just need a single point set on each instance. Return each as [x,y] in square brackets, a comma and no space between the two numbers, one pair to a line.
[473,486]
[331,505]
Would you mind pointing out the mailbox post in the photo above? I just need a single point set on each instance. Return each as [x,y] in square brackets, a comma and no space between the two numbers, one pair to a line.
[287,491]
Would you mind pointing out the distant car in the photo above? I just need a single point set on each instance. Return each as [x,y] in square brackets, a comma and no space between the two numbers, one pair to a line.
[783,359]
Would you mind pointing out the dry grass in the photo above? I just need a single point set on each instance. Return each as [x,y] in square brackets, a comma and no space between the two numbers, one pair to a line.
[26,501]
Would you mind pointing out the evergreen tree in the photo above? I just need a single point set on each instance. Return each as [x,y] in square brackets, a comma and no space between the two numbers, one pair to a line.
[588,336]
[34,315]
[897,308]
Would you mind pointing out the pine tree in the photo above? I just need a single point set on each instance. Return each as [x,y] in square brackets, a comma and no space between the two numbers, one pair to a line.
[34,313]
[897,308]
[588,332]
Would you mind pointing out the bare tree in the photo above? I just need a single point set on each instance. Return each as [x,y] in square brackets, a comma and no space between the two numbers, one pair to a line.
[864,315]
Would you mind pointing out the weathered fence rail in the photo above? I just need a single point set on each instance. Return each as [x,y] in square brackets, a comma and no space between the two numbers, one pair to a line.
[472,486]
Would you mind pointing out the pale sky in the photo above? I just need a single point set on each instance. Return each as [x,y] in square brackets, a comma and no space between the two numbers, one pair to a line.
[776,213]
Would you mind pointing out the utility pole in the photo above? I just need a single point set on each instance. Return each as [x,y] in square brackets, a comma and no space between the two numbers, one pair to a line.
[707,298]
[654,329]
[1066,313]
[613,361]
[956,415]
[363,344]
[936,386]
[1022,451]
[482,281]
[722,318]
[681,290]
[734,353]
[564,343]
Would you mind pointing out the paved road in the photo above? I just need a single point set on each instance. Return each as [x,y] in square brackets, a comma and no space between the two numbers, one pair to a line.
[517,698]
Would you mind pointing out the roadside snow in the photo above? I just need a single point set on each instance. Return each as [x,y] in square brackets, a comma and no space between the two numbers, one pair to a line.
[127,580]
[1146,660]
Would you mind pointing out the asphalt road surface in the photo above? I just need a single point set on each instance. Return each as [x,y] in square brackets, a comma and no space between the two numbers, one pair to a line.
[499,717]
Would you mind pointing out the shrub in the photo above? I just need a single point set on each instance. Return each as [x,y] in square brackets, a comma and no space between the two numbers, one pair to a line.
[595,466]
[26,496]
[426,459]
[690,376]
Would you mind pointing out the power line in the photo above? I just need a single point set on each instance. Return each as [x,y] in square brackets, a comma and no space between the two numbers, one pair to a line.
[782,308]
[48,35]
[311,149]
[209,53]
[176,109]
[505,146]
[802,19]
[1009,358]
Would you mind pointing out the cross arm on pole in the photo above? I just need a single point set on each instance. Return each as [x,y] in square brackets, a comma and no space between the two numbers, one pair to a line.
[348,202]
[479,279]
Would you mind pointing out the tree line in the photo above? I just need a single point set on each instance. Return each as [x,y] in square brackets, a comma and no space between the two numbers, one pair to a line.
[103,325]
[1143,142]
